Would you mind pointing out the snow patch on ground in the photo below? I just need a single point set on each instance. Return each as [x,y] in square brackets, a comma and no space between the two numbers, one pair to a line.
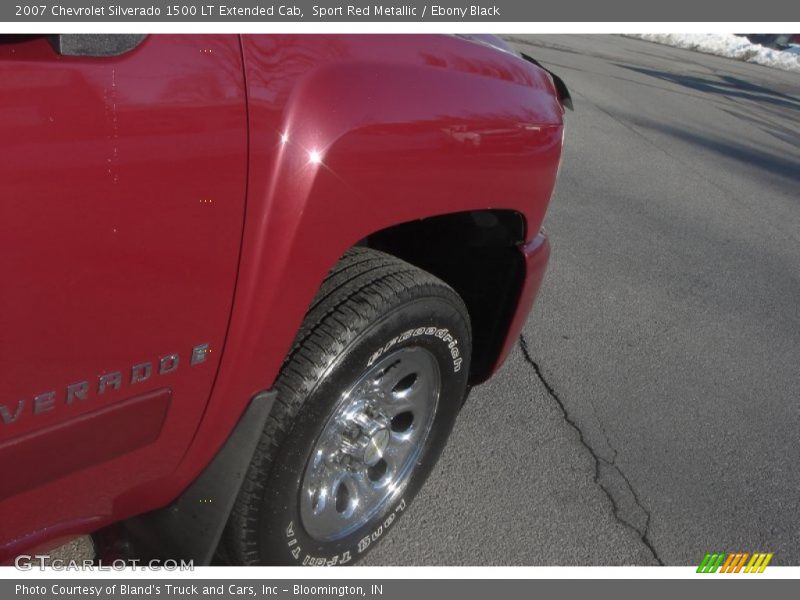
[731,46]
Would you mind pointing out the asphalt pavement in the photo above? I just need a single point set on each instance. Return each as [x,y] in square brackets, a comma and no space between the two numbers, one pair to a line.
[650,414]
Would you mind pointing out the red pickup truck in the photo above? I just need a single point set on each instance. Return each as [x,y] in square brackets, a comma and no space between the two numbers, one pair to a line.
[247,281]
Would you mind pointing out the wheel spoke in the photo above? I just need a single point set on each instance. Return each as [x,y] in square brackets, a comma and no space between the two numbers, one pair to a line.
[365,491]
[395,376]
[392,407]
[397,452]
[413,398]
[331,519]
[319,493]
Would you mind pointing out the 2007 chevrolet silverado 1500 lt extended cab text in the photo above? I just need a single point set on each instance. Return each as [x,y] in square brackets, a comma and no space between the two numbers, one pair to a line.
[247,281]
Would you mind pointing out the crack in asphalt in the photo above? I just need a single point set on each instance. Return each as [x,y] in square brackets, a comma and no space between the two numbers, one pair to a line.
[600,462]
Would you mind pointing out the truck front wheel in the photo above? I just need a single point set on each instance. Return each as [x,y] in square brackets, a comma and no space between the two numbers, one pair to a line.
[366,400]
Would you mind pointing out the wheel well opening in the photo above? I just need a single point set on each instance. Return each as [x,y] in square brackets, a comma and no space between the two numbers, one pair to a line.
[476,254]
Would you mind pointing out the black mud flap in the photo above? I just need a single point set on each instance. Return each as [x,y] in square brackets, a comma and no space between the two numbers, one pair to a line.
[191,527]
[561,88]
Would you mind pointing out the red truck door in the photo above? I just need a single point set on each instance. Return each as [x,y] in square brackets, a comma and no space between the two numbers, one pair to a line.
[122,191]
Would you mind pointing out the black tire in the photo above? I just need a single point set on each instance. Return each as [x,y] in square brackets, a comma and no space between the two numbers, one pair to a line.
[371,305]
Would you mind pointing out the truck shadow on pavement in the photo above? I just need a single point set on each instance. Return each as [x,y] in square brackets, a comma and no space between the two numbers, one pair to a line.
[766,160]
[724,85]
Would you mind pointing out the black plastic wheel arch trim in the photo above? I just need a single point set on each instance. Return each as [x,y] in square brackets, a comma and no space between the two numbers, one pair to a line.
[561,88]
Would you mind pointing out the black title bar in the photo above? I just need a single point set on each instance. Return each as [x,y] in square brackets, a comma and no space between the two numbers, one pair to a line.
[443,11]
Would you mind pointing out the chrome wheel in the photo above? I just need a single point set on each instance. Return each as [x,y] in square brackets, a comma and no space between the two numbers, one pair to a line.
[367,450]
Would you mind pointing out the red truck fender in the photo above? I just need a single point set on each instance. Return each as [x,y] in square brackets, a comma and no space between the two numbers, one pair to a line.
[367,139]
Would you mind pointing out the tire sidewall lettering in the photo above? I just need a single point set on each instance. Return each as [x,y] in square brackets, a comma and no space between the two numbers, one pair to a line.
[342,558]
[430,331]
